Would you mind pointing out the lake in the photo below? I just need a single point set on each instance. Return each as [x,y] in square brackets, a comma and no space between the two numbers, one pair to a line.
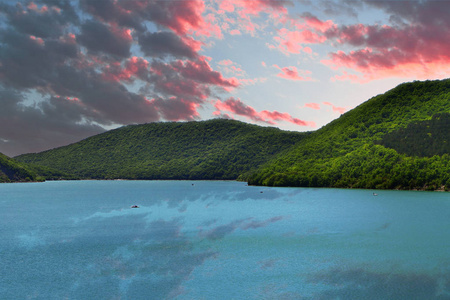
[220,240]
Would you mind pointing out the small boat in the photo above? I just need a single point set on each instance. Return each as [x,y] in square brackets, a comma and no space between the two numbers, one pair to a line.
[134,206]
[375,194]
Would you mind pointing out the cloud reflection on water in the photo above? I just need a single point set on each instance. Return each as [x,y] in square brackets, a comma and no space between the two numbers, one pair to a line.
[207,238]
[361,283]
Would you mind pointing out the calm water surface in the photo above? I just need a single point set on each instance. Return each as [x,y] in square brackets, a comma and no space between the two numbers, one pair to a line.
[220,240]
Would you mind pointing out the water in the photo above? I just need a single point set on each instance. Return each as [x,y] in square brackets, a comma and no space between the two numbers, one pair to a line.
[220,240]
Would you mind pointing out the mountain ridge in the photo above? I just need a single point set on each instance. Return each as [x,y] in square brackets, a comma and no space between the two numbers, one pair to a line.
[213,149]
[347,152]
[363,148]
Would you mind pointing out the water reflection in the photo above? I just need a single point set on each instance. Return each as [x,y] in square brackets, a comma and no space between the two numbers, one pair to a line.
[360,283]
[222,240]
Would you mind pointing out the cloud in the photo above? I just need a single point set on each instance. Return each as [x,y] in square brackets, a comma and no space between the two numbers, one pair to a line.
[258,224]
[292,41]
[161,44]
[340,110]
[307,29]
[238,16]
[230,67]
[414,45]
[235,32]
[99,38]
[134,67]
[41,21]
[313,105]
[176,109]
[201,71]
[360,283]
[221,231]
[256,7]
[236,106]
[59,124]
[188,78]
[110,11]
[182,17]
[86,73]
[225,62]
[292,73]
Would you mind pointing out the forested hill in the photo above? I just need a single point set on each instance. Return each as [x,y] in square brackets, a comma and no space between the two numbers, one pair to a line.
[214,149]
[396,140]
[13,171]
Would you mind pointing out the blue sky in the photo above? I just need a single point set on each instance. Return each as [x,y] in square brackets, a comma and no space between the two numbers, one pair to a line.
[72,69]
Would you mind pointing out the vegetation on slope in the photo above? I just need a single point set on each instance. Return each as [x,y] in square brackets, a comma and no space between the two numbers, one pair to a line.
[13,171]
[215,149]
[423,138]
[349,151]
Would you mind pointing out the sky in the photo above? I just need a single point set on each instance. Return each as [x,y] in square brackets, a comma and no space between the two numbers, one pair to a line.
[73,69]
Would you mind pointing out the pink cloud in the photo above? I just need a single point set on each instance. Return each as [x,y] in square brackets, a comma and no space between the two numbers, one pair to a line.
[176,109]
[293,41]
[316,24]
[133,67]
[226,6]
[209,27]
[292,73]
[340,110]
[307,50]
[39,41]
[182,16]
[201,71]
[231,67]
[34,7]
[313,105]
[242,12]
[225,62]
[236,106]
[122,33]
[277,116]
[190,80]
[235,32]
[418,48]
[255,7]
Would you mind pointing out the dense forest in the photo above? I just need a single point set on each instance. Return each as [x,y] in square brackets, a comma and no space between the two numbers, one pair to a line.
[214,149]
[422,138]
[395,140]
[13,171]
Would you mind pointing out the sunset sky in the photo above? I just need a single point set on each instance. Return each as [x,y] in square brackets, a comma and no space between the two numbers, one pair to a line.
[72,69]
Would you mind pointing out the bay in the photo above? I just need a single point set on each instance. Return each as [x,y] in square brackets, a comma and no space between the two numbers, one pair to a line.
[220,240]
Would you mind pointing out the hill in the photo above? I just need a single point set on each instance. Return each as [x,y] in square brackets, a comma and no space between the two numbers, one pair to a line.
[13,171]
[214,149]
[395,140]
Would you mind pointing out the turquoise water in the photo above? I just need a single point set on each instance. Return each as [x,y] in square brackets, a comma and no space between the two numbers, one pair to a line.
[220,240]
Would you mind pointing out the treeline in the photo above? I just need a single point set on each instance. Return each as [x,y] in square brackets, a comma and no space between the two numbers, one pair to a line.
[13,171]
[397,140]
[349,151]
[215,149]
[370,167]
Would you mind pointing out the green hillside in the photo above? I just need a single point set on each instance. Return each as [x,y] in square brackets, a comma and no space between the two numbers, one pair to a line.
[215,149]
[13,171]
[396,140]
